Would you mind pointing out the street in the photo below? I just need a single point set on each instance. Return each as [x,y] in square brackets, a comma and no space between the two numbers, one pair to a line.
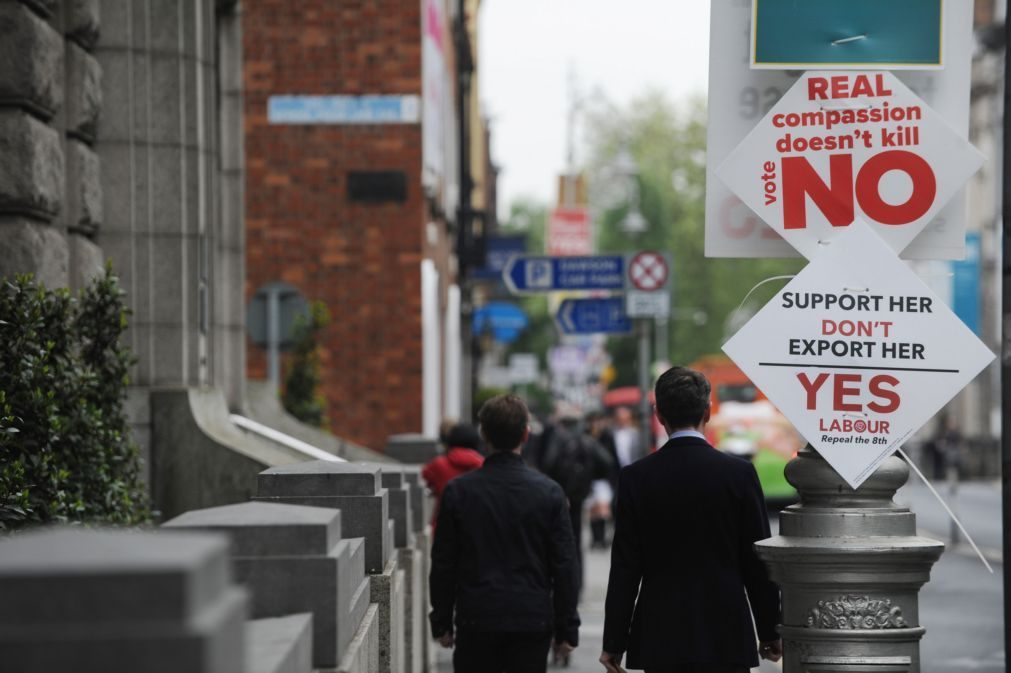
[961,606]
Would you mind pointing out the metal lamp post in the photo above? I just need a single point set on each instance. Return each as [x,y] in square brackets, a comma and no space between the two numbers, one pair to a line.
[850,567]
[635,224]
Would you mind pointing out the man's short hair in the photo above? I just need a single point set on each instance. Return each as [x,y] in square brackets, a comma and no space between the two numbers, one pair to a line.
[682,397]
[504,420]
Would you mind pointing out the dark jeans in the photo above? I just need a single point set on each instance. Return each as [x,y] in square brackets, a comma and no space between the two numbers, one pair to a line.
[501,652]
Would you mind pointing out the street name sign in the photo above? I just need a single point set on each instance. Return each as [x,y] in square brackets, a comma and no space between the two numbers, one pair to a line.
[647,291]
[857,352]
[846,145]
[599,315]
[340,109]
[532,274]
[856,34]
[740,96]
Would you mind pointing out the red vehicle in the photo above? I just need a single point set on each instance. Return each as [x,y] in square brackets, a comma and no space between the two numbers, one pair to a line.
[743,422]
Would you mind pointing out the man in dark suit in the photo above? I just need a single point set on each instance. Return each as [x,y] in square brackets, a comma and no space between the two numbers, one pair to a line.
[686,521]
[503,558]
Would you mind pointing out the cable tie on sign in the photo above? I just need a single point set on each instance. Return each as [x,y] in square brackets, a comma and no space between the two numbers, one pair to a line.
[862,414]
[733,318]
[844,40]
[946,508]
[856,289]
[824,242]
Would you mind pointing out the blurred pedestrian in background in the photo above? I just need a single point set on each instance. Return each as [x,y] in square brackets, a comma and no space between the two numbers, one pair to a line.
[574,460]
[461,456]
[503,561]
[627,443]
[602,495]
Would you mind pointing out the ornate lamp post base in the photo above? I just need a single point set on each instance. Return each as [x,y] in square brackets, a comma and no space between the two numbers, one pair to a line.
[850,567]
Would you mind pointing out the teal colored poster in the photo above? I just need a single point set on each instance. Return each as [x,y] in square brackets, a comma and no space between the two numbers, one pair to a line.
[847,34]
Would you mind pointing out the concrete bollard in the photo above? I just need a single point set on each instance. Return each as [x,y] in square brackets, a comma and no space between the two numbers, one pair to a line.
[412,448]
[850,567]
[104,601]
[294,560]
[364,505]
[353,489]
[400,480]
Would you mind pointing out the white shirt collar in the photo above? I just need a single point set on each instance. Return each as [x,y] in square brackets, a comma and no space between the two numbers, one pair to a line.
[687,433]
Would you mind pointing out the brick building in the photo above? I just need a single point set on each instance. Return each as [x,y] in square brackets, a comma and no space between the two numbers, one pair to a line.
[355,208]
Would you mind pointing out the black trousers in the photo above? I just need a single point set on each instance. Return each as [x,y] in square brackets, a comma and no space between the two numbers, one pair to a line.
[701,668]
[501,652]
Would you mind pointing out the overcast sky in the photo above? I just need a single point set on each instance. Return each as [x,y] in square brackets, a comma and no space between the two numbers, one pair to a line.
[619,47]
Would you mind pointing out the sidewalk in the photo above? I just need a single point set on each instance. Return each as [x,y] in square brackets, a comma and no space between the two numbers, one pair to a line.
[591,611]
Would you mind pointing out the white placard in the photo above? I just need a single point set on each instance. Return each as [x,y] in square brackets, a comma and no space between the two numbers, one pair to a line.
[740,96]
[857,352]
[841,145]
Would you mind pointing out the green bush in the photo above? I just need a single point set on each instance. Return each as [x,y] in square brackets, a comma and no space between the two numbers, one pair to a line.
[302,397]
[65,451]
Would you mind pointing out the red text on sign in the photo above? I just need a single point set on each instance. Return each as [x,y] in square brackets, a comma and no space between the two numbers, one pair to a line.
[847,388]
[836,199]
[838,86]
[858,328]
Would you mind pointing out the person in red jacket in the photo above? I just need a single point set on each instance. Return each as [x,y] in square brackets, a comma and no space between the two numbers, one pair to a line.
[461,457]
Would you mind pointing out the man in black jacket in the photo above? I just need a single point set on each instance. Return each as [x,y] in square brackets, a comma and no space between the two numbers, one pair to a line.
[503,558]
[686,522]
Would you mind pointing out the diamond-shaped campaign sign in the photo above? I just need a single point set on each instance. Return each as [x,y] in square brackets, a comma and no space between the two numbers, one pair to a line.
[857,352]
[841,146]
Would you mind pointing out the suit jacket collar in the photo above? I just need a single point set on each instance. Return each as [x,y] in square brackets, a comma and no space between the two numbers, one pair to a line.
[686,442]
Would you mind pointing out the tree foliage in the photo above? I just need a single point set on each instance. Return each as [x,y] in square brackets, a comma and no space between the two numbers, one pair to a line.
[302,397]
[65,449]
[668,144]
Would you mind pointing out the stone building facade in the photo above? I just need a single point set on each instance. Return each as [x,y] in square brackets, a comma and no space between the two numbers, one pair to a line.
[121,139]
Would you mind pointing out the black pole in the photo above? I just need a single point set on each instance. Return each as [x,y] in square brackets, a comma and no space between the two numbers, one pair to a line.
[1005,354]
[465,216]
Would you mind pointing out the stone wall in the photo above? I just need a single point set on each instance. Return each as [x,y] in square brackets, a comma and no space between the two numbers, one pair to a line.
[262,586]
[50,99]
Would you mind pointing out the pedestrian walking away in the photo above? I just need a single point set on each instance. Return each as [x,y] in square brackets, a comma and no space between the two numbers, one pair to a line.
[683,565]
[503,582]
[461,457]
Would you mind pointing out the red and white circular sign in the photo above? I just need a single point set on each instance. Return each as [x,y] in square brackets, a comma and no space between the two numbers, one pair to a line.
[648,271]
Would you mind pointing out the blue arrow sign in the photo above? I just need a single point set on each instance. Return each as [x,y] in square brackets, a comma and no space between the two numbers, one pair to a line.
[547,274]
[593,316]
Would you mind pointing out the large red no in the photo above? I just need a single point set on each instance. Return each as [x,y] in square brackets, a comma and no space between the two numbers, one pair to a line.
[835,199]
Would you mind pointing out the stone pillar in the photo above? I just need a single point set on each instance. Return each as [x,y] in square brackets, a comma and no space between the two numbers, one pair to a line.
[421,514]
[354,490]
[850,567]
[364,505]
[31,143]
[103,601]
[294,560]
[229,315]
[83,212]
[421,499]
[397,479]
[412,448]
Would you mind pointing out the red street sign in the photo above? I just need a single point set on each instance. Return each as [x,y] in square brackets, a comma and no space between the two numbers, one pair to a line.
[569,232]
